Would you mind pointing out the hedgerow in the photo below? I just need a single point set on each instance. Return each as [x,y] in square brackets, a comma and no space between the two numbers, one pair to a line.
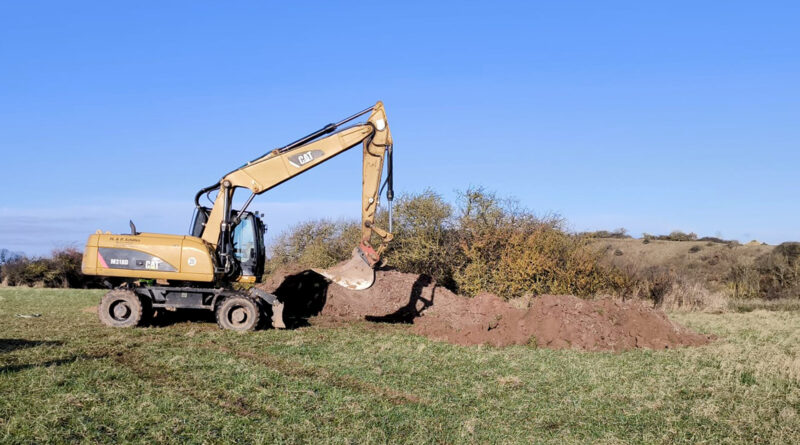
[482,243]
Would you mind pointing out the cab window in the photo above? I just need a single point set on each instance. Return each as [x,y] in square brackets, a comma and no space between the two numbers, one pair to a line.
[244,240]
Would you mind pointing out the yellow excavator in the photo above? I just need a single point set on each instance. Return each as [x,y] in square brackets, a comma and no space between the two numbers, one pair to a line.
[149,271]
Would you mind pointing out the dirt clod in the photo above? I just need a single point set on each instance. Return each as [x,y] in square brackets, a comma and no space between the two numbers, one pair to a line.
[551,321]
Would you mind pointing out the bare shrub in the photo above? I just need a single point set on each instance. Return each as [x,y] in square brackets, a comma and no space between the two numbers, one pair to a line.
[774,275]
[507,250]
[485,243]
[316,243]
[653,283]
[16,272]
[669,289]
[61,269]
[688,295]
[713,239]
[620,233]
[743,281]
[425,237]
[547,260]
[675,235]
[779,272]
[65,269]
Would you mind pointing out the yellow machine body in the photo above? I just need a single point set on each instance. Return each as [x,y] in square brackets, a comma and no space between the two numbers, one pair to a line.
[212,254]
[225,245]
[149,255]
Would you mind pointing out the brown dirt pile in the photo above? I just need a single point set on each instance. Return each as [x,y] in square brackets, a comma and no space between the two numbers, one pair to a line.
[557,322]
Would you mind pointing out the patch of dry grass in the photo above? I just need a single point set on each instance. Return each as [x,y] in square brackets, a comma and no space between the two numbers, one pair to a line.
[762,343]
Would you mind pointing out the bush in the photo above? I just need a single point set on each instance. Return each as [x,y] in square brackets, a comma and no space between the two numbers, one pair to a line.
[779,272]
[484,243]
[506,250]
[668,289]
[426,238]
[547,261]
[675,235]
[789,251]
[773,275]
[317,243]
[61,269]
[620,233]
[714,239]
[487,243]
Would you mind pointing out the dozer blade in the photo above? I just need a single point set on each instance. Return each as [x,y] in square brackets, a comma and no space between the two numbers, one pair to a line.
[354,273]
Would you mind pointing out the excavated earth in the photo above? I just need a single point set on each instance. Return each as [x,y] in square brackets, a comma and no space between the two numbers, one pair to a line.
[549,321]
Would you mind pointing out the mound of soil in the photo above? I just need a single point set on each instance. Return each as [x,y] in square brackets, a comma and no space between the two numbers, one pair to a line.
[551,321]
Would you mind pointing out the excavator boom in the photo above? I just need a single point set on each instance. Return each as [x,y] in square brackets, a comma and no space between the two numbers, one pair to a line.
[282,164]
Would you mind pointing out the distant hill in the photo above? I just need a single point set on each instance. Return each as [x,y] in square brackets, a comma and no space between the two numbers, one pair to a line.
[705,261]
[698,270]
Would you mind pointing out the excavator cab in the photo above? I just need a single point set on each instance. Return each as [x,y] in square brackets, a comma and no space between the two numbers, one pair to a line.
[248,246]
[247,240]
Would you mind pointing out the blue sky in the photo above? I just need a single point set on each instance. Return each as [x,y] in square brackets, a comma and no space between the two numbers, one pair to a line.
[644,115]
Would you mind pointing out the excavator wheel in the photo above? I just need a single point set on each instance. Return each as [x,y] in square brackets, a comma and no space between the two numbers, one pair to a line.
[238,313]
[121,309]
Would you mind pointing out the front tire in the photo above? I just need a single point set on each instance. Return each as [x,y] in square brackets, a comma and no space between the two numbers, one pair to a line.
[120,309]
[238,313]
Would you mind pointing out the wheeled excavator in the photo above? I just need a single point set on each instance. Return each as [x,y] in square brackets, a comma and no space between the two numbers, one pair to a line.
[150,271]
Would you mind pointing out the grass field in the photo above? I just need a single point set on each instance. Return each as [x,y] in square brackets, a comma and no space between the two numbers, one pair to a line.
[64,378]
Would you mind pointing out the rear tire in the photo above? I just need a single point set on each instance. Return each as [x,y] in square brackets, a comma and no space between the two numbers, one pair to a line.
[238,313]
[120,309]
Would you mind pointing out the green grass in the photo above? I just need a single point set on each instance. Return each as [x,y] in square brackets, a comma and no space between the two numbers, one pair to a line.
[64,378]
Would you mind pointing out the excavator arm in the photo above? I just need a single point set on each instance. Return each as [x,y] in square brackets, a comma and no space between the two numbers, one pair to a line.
[282,164]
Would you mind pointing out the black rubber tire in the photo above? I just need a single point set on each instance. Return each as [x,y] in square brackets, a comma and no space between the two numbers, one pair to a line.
[238,313]
[120,309]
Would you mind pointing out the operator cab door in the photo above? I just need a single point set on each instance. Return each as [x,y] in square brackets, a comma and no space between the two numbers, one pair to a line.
[248,240]
[248,245]
[199,221]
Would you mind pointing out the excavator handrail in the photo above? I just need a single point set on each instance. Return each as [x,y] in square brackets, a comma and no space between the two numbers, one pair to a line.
[322,131]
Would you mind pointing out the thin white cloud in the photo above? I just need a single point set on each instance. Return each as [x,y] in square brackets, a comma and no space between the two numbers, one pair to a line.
[39,230]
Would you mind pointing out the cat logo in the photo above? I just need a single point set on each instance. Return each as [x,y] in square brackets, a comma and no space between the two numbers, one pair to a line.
[152,264]
[304,158]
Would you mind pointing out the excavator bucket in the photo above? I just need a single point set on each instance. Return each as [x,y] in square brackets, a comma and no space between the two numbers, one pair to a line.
[354,273]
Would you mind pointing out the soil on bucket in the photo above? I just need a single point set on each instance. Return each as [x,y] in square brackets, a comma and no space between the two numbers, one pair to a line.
[551,321]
